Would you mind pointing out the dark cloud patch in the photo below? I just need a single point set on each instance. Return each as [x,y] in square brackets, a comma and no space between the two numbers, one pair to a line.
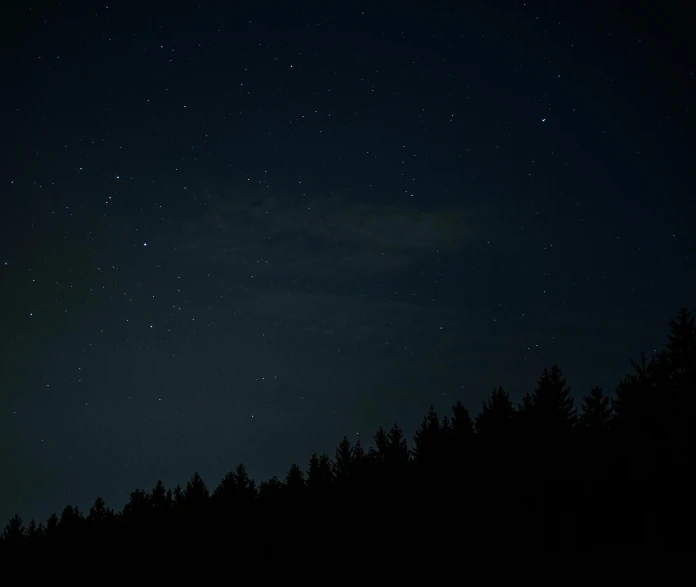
[317,236]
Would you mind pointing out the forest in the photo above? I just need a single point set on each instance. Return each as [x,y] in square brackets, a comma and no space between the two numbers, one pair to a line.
[613,470]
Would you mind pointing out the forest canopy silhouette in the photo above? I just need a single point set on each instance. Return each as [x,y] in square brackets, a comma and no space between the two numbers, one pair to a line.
[608,469]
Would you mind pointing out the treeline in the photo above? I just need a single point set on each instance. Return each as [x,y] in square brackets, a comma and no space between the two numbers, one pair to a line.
[613,470]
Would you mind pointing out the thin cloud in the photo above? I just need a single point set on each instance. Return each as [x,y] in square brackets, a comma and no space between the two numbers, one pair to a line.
[318,235]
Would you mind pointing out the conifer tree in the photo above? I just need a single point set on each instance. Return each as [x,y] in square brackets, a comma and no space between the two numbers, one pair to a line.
[196,494]
[294,482]
[596,413]
[177,499]
[158,498]
[52,526]
[681,345]
[245,485]
[343,460]
[497,415]
[549,410]
[427,438]
[99,515]
[380,450]
[680,399]
[270,489]
[397,453]
[227,488]
[462,424]
[358,452]
[636,416]
[14,532]
[319,475]
[138,506]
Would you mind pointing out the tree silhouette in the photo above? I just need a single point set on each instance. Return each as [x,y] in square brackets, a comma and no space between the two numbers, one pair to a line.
[70,525]
[596,413]
[397,453]
[196,495]
[52,526]
[177,499]
[271,489]
[245,485]
[319,474]
[99,515]
[31,531]
[158,498]
[680,360]
[462,435]
[617,473]
[426,440]
[38,536]
[462,424]
[636,415]
[358,456]
[14,532]
[497,415]
[137,508]
[227,489]
[295,482]
[343,460]
[681,345]
[549,411]
[379,452]
[595,425]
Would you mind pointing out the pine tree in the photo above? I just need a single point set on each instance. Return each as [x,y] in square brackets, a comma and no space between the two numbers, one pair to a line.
[319,474]
[227,489]
[381,448]
[70,524]
[446,430]
[40,532]
[360,464]
[196,494]
[359,458]
[245,485]
[462,424]
[680,400]
[158,498]
[294,482]
[636,416]
[137,508]
[99,515]
[681,345]
[325,467]
[224,498]
[427,439]
[31,532]
[397,453]
[497,415]
[52,526]
[549,410]
[597,413]
[343,460]
[270,489]
[14,532]
[177,499]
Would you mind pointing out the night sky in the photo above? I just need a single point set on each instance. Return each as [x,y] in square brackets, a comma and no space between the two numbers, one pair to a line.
[235,234]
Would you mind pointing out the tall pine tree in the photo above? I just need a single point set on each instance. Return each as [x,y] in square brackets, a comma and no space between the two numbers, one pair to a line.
[596,413]
[549,411]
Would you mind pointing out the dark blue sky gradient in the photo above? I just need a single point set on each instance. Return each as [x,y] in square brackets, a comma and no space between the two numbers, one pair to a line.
[236,234]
